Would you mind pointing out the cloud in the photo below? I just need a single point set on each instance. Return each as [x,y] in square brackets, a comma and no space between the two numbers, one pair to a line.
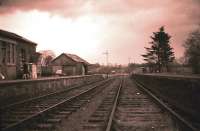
[65,7]
[187,10]
[128,23]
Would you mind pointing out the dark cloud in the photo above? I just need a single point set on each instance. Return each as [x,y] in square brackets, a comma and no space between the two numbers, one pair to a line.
[191,8]
[65,7]
[130,22]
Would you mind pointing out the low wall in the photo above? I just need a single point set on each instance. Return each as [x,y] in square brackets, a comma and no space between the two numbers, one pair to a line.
[18,90]
[183,93]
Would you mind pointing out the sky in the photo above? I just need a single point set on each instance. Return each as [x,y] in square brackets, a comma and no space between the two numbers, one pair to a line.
[89,28]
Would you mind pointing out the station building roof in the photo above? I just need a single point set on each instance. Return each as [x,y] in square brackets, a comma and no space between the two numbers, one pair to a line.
[74,58]
[15,36]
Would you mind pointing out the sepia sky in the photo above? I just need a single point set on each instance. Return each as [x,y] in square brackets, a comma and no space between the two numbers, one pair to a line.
[90,27]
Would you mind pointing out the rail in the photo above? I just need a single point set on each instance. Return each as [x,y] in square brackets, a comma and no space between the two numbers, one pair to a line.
[167,108]
[109,125]
[36,116]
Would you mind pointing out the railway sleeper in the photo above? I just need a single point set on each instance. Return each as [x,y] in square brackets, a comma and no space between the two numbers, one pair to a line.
[98,115]
[71,109]
[95,120]
[58,116]
[53,120]
[93,126]
[45,126]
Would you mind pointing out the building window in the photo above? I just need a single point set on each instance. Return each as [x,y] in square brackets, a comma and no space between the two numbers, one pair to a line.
[3,53]
[13,53]
[22,58]
[23,55]
[8,53]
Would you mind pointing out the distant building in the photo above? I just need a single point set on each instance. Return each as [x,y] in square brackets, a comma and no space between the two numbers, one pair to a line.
[94,68]
[69,64]
[14,50]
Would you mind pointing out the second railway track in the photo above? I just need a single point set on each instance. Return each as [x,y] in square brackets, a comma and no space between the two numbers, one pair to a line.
[128,108]
[18,116]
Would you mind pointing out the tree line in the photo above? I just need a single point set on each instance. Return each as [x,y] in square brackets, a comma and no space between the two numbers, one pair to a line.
[159,55]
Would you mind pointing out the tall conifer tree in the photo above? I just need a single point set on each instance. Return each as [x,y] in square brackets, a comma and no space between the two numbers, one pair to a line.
[160,54]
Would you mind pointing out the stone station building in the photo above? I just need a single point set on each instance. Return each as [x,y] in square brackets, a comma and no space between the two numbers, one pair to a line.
[14,51]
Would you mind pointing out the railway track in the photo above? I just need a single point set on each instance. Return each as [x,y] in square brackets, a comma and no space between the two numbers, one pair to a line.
[129,108]
[183,123]
[101,119]
[125,107]
[43,112]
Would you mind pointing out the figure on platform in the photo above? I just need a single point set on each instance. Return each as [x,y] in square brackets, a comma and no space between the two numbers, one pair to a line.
[26,74]
[2,77]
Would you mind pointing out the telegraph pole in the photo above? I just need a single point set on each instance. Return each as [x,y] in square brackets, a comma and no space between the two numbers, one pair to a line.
[129,60]
[106,53]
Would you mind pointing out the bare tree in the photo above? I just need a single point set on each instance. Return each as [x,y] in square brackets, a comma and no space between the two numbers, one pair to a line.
[48,60]
[46,57]
[192,50]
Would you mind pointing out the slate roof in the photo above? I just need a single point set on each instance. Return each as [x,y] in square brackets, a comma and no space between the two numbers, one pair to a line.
[73,57]
[76,58]
[15,36]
